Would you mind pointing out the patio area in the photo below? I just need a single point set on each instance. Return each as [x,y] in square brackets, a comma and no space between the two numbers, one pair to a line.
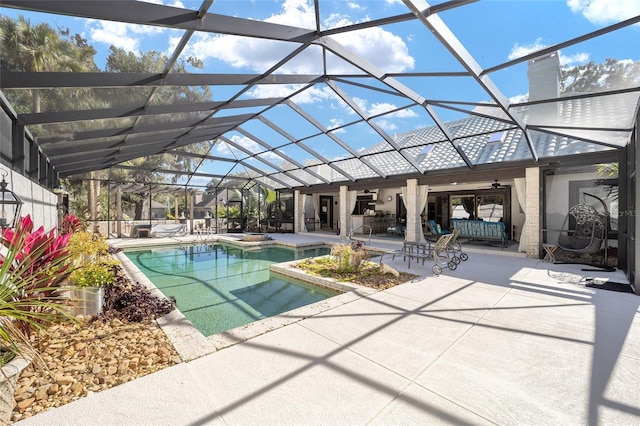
[503,339]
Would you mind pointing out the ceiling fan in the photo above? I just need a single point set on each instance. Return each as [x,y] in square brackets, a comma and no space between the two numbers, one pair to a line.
[496,185]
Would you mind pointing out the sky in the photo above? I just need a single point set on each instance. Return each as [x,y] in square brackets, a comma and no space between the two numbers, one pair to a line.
[393,48]
[492,31]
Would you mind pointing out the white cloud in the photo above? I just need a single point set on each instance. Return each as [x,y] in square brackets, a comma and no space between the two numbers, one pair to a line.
[361,103]
[199,181]
[259,55]
[385,50]
[249,145]
[246,143]
[114,34]
[602,12]
[317,94]
[118,34]
[273,90]
[386,125]
[518,51]
[175,3]
[355,6]
[519,98]
[381,108]
[577,59]
[129,36]
[337,122]
[313,94]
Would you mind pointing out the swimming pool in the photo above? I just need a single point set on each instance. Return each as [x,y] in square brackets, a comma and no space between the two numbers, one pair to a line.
[219,287]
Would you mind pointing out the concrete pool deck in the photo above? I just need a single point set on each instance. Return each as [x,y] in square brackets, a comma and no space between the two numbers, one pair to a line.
[503,340]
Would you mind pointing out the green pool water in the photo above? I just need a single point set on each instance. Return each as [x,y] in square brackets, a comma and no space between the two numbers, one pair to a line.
[220,287]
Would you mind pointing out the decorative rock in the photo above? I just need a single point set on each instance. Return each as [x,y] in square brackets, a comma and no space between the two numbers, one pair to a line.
[22,396]
[41,393]
[62,380]
[386,269]
[123,367]
[22,405]
[77,388]
[133,364]
[90,358]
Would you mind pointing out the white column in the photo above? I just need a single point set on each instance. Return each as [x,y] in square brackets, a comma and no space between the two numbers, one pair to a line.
[298,212]
[119,212]
[192,201]
[532,224]
[345,217]
[414,224]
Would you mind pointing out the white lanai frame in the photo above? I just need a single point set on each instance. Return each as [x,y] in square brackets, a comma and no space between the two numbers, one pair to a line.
[205,121]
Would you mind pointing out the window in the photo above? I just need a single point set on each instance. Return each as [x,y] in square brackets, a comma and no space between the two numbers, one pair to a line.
[491,208]
[463,207]
[364,202]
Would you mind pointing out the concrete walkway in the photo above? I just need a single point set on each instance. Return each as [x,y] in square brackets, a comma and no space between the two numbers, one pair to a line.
[501,340]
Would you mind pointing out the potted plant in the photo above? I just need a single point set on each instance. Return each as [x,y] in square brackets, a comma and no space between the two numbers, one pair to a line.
[93,270]
[33,266]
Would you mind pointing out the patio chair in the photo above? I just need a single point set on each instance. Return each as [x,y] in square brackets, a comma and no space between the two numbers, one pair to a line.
[584,228]
[436,229]
[441,254]
[455,248]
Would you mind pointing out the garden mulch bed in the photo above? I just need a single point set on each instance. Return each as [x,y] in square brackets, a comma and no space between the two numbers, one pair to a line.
[368,274]
[377,281]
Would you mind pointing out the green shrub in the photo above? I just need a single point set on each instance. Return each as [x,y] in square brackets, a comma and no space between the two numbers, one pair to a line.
[94,274]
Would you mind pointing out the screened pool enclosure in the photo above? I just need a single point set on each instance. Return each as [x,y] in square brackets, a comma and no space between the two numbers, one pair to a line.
[251,101]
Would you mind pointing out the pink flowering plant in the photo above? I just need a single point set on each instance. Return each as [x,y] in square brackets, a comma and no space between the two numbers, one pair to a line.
[70,224]
[34,264]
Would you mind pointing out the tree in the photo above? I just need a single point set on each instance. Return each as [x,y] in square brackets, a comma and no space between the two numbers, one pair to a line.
[120,60]
[39,48]
[592,77]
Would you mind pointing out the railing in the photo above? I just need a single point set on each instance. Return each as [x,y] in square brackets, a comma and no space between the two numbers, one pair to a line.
[360,227]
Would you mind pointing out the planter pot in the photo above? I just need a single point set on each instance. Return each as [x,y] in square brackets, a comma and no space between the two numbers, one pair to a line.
[87,300]
[8,379]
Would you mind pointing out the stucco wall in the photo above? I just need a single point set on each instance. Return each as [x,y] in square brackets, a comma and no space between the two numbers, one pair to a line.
[39,202]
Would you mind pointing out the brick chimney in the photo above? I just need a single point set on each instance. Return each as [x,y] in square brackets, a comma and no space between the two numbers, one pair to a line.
[544,83]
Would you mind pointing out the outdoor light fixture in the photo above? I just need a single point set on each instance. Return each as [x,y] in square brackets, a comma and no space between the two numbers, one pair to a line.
[10,204]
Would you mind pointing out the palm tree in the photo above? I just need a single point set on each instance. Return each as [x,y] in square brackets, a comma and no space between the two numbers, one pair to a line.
[36,49]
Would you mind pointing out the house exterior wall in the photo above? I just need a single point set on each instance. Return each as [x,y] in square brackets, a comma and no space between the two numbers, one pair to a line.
[39,202]
[558,200]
